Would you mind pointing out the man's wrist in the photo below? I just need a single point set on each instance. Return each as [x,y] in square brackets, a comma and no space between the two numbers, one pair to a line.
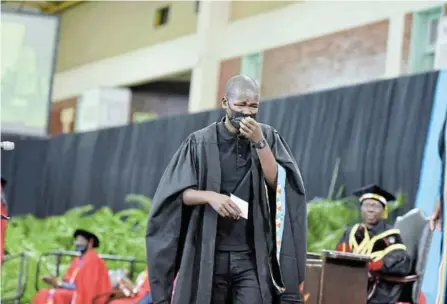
[208,196]
[258,139]
[261,144]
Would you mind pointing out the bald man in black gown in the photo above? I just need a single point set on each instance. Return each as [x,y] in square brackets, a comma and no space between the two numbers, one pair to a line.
[196,233]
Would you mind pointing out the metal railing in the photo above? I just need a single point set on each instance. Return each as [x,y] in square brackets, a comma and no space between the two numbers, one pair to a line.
[22,278]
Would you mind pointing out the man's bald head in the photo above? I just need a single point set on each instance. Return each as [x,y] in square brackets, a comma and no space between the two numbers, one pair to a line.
[241,87]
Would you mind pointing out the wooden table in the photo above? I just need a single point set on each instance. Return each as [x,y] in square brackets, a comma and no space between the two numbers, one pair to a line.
[336,278]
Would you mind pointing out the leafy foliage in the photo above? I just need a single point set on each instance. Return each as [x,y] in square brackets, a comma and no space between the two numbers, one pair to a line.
[121,233]
[327,220]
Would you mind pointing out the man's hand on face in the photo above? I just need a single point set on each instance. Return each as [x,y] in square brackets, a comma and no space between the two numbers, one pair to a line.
[224,206]
[251,130]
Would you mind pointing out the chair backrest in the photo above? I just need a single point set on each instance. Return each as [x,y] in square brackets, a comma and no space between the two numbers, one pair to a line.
[416,235]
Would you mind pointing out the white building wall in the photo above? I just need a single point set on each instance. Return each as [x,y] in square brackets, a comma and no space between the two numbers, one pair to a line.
[293,23]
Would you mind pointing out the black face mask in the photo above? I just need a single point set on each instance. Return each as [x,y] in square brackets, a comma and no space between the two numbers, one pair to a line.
[82,248]
[236,117]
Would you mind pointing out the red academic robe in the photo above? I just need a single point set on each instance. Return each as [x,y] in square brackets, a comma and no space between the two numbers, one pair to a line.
[3,211]
[144,290]
[89,274]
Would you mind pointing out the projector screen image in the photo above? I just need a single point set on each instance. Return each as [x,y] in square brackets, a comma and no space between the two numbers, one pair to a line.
[28,50]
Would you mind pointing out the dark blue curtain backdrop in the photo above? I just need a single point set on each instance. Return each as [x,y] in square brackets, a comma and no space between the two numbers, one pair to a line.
[377,130]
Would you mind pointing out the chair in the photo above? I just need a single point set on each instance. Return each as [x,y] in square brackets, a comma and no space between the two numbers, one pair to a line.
[21,280]
[416,235]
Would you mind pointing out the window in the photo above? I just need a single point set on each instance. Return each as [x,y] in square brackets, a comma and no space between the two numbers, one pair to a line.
[161,16]
[424,34]
[251,66]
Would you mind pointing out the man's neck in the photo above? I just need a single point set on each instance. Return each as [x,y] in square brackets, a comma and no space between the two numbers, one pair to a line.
[370,226]
[230,127]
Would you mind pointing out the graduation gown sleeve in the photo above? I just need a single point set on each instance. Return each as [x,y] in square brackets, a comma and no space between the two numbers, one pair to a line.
[343,243]
[290,221]
[395,260]
[168,215]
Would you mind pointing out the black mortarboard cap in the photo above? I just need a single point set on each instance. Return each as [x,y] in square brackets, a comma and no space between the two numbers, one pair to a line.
[88,235]
[374,192]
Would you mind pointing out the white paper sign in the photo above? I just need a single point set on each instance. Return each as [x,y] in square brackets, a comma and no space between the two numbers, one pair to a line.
[243,205]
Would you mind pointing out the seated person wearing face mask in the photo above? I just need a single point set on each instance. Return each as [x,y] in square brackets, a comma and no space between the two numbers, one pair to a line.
[86,277]
[380,241]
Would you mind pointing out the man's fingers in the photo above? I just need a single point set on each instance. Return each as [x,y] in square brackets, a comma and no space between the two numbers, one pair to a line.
[250,121]
[231,211]
[244,133]
[223,212]
[235,207]
[245,127]
[432,224]
[439,225]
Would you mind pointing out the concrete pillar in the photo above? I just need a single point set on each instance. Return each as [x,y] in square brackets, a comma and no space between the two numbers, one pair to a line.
[394,46]
[212,18]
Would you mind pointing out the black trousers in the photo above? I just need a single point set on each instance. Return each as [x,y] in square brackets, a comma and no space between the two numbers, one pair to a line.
[235,279]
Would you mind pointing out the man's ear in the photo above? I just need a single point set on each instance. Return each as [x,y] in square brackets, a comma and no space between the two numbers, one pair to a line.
[224,102]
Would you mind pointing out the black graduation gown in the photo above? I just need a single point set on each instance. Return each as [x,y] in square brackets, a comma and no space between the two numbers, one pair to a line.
[180,239]
[396,262]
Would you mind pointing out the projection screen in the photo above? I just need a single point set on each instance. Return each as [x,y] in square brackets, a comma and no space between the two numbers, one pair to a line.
[28,53]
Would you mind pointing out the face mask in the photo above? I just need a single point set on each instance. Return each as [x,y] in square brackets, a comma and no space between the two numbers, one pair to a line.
[81,248]
[236,117]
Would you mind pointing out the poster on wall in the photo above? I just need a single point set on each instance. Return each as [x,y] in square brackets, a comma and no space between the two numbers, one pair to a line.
[28,55]
[441,45]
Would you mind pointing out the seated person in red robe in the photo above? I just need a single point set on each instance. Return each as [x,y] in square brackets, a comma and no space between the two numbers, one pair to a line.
[4,217]
[86,277]
[138,293]
[380,241]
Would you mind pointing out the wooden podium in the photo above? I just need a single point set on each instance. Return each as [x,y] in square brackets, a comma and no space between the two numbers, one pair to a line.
[336,278]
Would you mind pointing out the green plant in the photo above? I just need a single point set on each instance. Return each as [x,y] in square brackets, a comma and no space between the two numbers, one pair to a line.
[327,220]
[121,233]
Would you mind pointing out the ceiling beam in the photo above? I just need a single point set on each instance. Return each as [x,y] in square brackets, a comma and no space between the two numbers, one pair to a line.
[62,6]
[48,7]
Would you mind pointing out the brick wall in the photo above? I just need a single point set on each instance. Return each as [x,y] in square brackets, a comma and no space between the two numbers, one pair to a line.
[342,58]
[228,68]
[406,43]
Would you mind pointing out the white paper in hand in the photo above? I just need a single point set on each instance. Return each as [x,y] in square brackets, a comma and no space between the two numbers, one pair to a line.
[243,205]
